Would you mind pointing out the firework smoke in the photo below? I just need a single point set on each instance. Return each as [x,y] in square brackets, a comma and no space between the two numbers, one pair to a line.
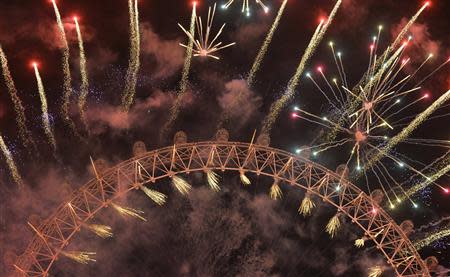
[432,238]
[67,85]
[276,107]
[406,132]
[84,75]
[125,211]
[134,62]
[157,197]
[45,119]
[11,164]
[181,185]
[433,224]
[262,52]
[79,257]
[24,133]
[213,180]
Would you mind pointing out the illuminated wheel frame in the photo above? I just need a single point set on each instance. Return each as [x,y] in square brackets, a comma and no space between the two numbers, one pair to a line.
[55,233]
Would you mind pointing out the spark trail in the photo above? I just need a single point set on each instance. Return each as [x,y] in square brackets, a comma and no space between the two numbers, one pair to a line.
[11,164]
[432,238]
[45,119]
[67,85]
[134,61]
[84,75]
[400,37]
[262,52]
[24,134]
[406,132]
[294,81]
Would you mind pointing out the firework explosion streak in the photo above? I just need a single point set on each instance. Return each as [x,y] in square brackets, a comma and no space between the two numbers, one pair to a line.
[432,238]
[378,66]
[45,118]
[262,52]
[246,6]
[293,82]
[190,46]
[84,75]
[24,133]
[67,85]
[11,164]
[406,132]
[134,62]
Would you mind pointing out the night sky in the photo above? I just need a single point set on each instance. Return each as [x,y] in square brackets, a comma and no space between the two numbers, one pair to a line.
[239,231]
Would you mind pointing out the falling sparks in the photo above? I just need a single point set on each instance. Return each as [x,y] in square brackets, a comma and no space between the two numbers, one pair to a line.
[102,231]
[67,85]
[80,257]
[181,185]
[375,271]
[246,6]
[262,52]
[333,226]
[125,211]
[84,75]
[45,118]
[203,46]
[157,197]
[244,179]
[306,206]
[134,61]
[24,133]
[213,180]
[275,191]
[11,164]
[359,243]
[278,106]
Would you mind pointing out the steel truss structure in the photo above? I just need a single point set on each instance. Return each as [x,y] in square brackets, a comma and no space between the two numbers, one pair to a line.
[56,232]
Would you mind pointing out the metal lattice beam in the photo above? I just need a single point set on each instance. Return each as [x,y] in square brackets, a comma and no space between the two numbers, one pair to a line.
[56,232]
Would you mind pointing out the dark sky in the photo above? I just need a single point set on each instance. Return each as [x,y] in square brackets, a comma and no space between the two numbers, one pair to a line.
[281,243]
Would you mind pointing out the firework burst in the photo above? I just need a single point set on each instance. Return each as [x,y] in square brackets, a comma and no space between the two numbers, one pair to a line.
[84,75]
[81,257]
[125,211]
[306,206]
[205,46]
[246,6]
[102,231]
[213,180]
[157,197]
[11,164]
[181,185]
[333,226]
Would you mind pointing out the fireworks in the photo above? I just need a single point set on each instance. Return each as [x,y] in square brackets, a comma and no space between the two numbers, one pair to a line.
[129,212]
[359,243]
[213,180]
[134,61]
[275,191]
[157,197]
[246,6]
[306,206]
[432,238]
[204,47]
[79,257]
[181,185]
[379,95]
[244,179]
[84,75]
[262,52]
[11,164]
[67,85]
[102,231]
[276,107]
[333,226]
[45,119]
[24,133]
[375,271]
